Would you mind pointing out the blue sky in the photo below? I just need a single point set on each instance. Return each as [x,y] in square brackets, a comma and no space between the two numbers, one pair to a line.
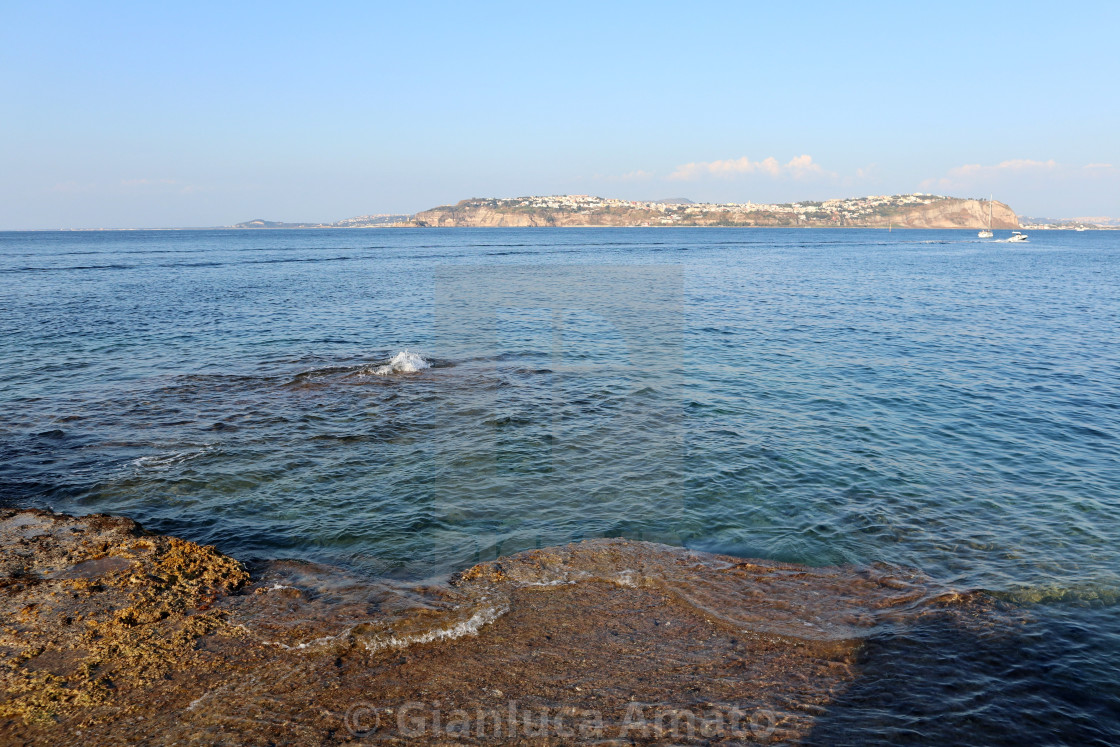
[160,114]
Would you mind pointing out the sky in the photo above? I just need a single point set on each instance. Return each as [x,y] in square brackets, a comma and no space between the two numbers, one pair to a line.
[199,114]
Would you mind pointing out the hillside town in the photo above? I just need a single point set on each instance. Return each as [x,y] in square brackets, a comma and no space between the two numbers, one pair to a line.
[911,210]
[837,211]
[376,220]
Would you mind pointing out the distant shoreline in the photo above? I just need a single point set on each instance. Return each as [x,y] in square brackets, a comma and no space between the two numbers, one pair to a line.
[918,210]
[382,228]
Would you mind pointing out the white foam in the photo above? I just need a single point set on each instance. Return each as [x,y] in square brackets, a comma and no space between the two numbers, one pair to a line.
[471,626]
[555,582]
[305,644]
[161,462]
[627,578]
[324,640]
[403,362]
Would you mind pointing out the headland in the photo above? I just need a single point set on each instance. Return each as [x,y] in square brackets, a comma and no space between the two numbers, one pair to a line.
[877,211]
[883,211]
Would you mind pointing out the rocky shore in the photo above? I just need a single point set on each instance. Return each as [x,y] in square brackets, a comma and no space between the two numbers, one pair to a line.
[113,635]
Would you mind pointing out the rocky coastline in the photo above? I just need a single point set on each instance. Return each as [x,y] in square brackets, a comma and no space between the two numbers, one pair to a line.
[115,635]
[577,211]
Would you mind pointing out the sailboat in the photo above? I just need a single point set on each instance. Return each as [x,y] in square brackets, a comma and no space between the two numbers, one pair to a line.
[987,233]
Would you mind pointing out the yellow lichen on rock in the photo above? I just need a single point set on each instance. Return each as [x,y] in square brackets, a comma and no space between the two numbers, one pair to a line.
[96,609]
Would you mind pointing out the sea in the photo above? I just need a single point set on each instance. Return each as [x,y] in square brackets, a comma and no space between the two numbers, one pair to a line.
[405,403]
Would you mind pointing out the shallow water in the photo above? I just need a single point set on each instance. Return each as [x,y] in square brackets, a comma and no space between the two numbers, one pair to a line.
[917,399]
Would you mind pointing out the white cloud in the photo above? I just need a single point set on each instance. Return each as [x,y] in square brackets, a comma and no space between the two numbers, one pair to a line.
[147,182]
[971,174]
[1023,164]
[803,166]
[800,167]
[1036,187]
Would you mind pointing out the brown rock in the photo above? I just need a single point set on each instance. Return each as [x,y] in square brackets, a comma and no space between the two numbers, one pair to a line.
[115,636]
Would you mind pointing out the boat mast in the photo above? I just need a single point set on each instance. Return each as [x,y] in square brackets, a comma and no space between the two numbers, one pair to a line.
[990,211]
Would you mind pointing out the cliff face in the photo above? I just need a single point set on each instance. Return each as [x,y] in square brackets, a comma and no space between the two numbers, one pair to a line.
[443,217]
[946,213]
[485,217]
[951,214]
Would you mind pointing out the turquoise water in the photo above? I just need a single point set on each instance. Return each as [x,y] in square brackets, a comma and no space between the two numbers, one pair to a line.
[915,398]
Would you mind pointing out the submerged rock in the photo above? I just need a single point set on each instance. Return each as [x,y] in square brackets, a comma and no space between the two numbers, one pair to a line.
[114,635]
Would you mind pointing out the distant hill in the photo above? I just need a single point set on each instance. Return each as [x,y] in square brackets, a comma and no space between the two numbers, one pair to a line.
[1087,222]
[259,223]
[369,221]
[876,211]
[362,221]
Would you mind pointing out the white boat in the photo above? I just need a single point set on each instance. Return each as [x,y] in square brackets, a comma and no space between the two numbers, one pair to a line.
[1016,236]
[987,234]
[1080,228]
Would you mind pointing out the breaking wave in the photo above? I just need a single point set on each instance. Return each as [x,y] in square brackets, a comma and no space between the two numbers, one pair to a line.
[403,362]
[304,606]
